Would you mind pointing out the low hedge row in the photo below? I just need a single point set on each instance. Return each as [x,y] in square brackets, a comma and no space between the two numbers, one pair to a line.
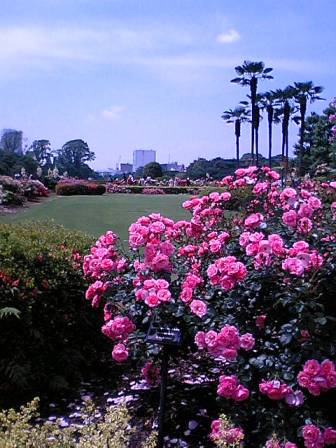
[139,189]
[49,335]
[64,189]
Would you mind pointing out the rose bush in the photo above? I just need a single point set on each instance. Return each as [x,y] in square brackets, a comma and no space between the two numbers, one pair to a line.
[253,294]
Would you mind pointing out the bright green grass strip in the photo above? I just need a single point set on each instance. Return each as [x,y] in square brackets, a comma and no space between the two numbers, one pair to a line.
[96,214]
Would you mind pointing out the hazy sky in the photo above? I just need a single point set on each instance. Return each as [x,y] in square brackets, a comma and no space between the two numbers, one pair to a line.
[152,74]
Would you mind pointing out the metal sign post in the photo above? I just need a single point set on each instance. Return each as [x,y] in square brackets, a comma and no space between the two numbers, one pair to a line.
[168,337]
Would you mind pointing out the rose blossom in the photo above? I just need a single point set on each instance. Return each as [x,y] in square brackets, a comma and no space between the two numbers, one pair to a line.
[119,353]
[198,307]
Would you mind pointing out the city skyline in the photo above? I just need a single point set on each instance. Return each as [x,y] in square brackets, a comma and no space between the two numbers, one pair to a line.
[130,74]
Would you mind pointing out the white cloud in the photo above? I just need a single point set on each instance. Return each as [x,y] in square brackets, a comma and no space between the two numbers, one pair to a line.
[229,37]
[113,113]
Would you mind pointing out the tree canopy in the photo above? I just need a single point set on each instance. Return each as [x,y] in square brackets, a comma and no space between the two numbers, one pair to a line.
[153,170]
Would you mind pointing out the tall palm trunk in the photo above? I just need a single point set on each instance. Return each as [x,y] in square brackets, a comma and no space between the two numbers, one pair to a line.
[286,117]
[303,108]
[257,119]
[270,112]
[237,133]
[253,90]
[287,152]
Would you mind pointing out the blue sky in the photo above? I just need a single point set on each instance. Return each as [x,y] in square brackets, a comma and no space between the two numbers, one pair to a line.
[153,74]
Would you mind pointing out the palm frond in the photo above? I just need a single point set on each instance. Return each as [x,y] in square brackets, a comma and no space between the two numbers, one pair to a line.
[9,311]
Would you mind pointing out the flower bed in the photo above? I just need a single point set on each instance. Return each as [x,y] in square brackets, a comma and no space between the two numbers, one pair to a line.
[139,189]
[16,192]
[67,188]
[254,299]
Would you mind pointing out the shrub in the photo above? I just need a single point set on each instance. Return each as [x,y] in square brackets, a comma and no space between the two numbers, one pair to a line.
[11,191]
[54,340]
[82,188]
[112,430]
[253,296]
[34,189]
[139,189]
[153,191]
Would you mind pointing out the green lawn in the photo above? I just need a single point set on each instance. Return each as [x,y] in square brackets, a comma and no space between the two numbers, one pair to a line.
[96,214]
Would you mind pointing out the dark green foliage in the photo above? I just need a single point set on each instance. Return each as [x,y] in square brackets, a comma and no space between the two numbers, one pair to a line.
[318,147]
[72,157]
[41,151]
[11,163]
[153,170]
[53,337]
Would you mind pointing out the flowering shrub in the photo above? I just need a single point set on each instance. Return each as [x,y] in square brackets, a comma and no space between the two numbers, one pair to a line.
[11,191]
[114,188]
[55,337]
[69,188]
[253,294]
[34,189]
[16,192]
[153,191]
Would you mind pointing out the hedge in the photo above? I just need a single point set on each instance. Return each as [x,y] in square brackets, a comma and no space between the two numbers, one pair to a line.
[49,335]
[64,189]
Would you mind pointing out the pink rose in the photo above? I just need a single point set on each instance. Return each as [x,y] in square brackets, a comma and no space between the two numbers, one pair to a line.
[329,436]
[254,220]
[311,367]
[163,295]
[186,295]
[311,433]
[198,307]
[305,225]
[152,300]
[241,393]
[212,271]
[293,266]
[290,218]
[200,339]
[227,386]
[119,353]
[247,341]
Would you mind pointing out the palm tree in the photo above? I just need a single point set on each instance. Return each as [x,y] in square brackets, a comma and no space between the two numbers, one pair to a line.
[304,92]
[248,75]
[267,100]
[284,112]
[237,116]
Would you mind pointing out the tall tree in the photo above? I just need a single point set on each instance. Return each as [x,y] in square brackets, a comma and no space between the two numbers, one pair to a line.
[248,75]
[304,92]
[237,116]
[153,170]
[284,99]
[41,151]
[267,101]
[72,157]
[11,141]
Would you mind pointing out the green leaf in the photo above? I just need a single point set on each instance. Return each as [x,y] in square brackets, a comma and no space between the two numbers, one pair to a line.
[9,311]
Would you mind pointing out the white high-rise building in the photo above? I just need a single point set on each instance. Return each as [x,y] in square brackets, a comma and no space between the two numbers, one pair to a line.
[143,156]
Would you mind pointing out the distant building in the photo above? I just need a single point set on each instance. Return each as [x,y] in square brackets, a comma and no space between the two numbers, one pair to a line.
[107,172]
[126,168]
[173,166]
[142,156]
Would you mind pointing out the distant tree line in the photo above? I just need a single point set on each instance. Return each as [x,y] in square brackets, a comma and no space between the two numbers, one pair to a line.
[71,158]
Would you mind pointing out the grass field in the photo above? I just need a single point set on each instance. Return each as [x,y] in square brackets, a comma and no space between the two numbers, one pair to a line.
[96,214]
